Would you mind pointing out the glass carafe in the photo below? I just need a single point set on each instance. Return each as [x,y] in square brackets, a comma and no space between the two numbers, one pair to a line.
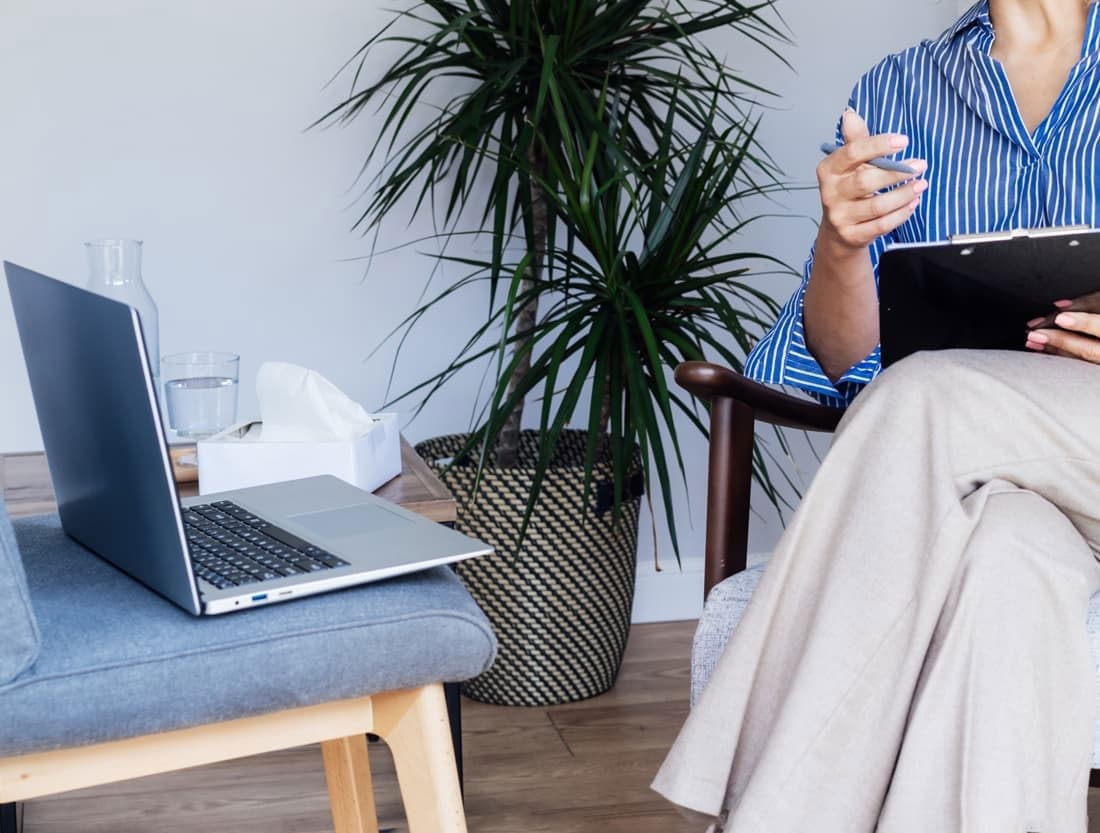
[114,270]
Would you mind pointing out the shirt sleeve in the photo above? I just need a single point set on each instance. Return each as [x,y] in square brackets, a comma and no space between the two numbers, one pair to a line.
[781,356]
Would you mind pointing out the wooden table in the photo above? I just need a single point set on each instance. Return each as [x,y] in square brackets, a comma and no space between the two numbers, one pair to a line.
[25,482]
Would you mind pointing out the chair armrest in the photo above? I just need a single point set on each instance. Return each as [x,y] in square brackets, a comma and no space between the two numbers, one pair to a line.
[736,403]
[711,381]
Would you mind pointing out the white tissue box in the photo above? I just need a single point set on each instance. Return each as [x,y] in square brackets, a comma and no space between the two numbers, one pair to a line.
[226,461]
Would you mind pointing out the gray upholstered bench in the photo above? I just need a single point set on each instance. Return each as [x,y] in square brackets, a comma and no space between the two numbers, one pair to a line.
[728,599]
[101,679]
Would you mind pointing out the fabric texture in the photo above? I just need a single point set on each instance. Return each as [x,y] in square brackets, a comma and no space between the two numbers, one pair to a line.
[922,662]
[985,171]
[118,661]
[726,605]
[18,628]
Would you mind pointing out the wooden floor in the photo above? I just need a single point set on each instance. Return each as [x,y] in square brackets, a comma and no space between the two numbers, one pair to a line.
[579,768]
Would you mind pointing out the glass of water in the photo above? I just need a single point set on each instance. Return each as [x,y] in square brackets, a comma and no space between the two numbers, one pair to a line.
[200,388]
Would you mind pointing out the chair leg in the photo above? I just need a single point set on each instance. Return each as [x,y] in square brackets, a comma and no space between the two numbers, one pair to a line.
[11,818]
[414,725]
[350,790]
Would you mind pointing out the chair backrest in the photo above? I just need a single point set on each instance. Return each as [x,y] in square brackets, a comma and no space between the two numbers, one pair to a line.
[18,629]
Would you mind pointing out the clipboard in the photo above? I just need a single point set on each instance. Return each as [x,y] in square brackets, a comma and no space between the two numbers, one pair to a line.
[979,290]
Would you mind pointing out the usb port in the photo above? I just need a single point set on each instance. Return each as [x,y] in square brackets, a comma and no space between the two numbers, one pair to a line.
[259,597]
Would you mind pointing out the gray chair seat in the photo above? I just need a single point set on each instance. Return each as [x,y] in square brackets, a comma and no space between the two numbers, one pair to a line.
[727,602]
[115,660]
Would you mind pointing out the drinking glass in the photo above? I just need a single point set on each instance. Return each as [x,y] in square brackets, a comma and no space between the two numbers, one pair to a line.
[201,392]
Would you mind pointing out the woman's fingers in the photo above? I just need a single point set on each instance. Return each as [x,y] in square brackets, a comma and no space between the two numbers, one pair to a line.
[1079,337]
[858,222]
[867,180]
[1079,322]
[859,201]
[885,203]
[874,228]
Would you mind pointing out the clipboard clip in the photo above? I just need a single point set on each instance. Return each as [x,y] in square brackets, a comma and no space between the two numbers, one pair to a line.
[1017,233]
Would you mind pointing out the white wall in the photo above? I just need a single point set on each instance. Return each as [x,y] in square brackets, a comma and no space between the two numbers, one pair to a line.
[183,125]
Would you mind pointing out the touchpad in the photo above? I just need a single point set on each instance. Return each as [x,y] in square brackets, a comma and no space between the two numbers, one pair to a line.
[361,519]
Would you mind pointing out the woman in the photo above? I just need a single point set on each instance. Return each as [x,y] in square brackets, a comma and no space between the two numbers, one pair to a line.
[915,657]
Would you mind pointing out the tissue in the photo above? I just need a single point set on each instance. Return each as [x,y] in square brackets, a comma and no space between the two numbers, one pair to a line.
[308,427]
[300,405]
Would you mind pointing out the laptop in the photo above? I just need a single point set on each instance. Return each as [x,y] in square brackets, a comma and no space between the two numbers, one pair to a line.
[979,291]
[105,445]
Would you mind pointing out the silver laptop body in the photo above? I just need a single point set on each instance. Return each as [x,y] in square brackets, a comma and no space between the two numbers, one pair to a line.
[105,445]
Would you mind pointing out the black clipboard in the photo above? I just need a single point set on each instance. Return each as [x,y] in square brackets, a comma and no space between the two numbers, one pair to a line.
[979,291]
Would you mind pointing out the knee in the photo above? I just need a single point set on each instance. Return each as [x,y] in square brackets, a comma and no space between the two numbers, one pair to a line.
[1021,543]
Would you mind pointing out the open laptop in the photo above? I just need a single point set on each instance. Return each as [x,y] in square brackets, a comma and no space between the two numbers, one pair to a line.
[105,445]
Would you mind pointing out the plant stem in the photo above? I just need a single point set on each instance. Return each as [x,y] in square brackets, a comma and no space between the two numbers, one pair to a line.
[605,417]
[507,450]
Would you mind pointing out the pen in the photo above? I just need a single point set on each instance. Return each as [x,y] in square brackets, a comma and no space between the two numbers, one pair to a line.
[879,162]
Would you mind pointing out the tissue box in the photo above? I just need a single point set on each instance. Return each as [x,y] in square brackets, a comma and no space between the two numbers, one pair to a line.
[228,462]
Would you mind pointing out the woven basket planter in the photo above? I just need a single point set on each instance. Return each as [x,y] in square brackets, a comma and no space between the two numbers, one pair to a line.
[561,611]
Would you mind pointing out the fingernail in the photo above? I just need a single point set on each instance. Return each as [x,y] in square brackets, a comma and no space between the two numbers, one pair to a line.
[914,203]
[1037,338]
[918,165]
[1063,304]
[1065,320]
[1035,321]
[919,186]
[1031,345]
[898,141]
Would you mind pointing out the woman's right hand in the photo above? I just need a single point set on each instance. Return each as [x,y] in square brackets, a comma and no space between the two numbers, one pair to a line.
[856,210]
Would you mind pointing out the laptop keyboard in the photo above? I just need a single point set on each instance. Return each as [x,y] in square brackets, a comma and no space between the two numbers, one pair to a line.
[230,547]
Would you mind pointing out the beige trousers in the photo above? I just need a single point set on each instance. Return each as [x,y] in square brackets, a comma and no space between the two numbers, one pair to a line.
[915,657]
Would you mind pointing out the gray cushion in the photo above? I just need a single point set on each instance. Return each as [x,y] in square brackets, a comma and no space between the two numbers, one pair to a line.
[727,601]
[116,660]
[18,630]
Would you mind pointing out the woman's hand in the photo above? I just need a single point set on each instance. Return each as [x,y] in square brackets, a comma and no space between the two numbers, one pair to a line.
[856,208]
[841,303]
[1073,331]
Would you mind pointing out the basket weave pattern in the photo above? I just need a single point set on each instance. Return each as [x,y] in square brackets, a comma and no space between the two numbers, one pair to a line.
[561,611]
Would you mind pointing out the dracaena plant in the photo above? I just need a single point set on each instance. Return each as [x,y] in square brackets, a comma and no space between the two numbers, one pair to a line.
[586,125]
[647,278]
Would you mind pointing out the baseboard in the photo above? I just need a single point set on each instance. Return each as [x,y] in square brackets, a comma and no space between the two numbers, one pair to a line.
[676,592]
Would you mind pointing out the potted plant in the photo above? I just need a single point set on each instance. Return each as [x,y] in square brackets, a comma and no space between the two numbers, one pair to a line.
[617,149]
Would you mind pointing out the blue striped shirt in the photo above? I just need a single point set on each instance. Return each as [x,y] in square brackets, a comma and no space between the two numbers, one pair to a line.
[985,171]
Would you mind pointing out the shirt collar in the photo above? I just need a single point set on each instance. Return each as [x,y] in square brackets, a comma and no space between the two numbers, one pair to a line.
[977,18]
[977,15]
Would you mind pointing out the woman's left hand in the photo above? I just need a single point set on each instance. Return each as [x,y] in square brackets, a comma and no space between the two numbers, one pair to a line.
[1076,333]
